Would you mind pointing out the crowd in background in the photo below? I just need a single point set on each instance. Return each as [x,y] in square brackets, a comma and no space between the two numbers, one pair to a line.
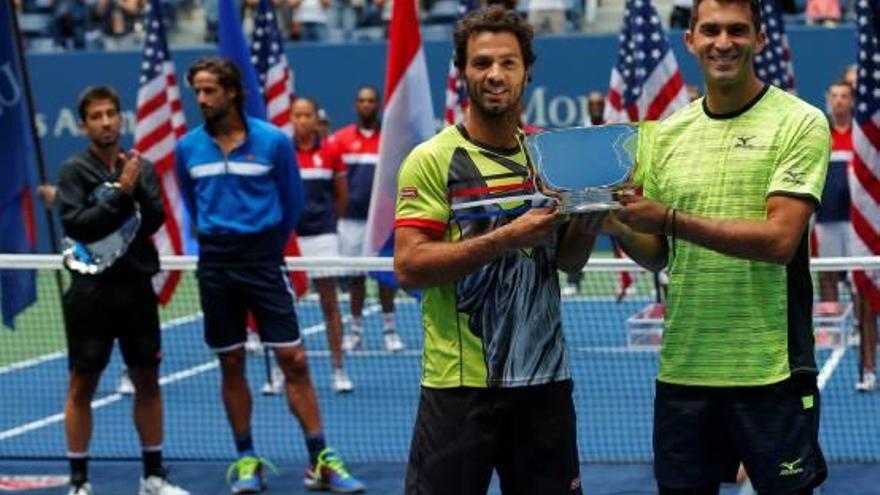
[51,25]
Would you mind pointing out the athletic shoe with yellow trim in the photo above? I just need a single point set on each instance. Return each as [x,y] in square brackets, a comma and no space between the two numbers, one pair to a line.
[329,473]
[246,474]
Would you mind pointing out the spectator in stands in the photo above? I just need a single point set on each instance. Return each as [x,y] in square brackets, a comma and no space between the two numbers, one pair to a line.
[834,231]
[326,198]
[547,16]
[310,18]
[212,19]
[358,145]
[824,12]
[244,7]
[595,109]
[344,15]
[851,75]
[440,11]
[385,7]
[71,19]
[120,23]
[680,16]
[241,266]
[507,4]
[117,303]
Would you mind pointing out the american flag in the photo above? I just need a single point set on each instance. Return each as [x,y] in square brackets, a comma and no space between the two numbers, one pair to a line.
[276,78]
[160,123]
[645,82]
[865,171]
[773,64]
[456,94]
[276,83]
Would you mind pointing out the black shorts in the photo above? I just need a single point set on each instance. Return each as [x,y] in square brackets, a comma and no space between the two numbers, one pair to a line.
[228,293]
[101,309]
[527,434]
[701,434]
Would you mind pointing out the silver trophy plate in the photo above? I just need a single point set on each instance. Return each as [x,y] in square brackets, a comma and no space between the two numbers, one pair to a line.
[583,168]
[95,257]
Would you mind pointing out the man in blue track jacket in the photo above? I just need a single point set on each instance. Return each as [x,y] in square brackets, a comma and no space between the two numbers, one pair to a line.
[238,177]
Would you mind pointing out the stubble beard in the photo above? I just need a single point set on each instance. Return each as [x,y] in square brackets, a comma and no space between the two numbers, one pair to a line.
[493,114]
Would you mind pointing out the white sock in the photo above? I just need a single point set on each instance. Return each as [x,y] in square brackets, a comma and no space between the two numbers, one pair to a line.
[357,324]
[388,322]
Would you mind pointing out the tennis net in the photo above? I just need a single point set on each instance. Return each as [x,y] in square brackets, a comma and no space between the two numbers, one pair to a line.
[613,337]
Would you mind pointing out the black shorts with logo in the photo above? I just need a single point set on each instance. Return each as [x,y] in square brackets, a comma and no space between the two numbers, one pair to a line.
[701,434]
[99,309]
[227,293]
[527,434]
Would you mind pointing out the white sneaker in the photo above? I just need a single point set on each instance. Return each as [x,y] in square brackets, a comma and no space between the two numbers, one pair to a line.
[569,290]
[353,341]
[393,342]
[125,387]
[341,383]
[253,345]
[155,485]
[84,489]
[276,385]
[868,383]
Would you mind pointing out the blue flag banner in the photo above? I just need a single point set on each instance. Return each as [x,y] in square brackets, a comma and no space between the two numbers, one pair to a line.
[17,287]
[232,45]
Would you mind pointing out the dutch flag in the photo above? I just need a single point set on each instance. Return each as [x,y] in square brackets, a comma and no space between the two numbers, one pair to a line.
[408,120]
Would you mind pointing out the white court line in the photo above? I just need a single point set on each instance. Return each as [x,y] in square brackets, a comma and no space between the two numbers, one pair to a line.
[370,353]
[830,365]
[165,380]
[824,375]
[104,401]
[27,363]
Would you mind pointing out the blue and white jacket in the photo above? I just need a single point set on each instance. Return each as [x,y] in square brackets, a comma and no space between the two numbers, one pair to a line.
[245,203]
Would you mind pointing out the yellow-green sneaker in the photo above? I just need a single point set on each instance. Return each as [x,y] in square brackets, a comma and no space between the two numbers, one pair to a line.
[246,474]
[329,473]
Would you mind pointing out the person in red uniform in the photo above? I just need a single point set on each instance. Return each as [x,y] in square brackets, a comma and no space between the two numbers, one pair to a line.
[358,145]
[326,197]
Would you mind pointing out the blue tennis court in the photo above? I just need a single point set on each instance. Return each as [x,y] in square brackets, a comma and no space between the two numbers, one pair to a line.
[371,426]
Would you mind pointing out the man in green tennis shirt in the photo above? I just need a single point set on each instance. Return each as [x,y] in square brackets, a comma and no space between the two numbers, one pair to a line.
[730,183]
[496,384]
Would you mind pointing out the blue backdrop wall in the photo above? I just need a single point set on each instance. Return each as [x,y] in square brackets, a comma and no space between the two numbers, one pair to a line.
[568,67]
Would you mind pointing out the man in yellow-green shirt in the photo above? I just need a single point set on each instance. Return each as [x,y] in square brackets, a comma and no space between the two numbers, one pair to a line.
[730,183]
[496,384]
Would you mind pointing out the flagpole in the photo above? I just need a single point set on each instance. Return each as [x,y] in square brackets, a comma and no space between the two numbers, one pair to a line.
[41,164]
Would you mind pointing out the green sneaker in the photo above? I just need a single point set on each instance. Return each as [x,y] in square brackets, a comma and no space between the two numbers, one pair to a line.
[330,474]
[246,474]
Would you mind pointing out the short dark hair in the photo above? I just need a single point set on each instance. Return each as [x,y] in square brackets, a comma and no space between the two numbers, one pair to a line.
[494,19]
[94,93]
[367,87]
[754,6]
[507,4]
[228,75]
[844,84]
[311,101]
